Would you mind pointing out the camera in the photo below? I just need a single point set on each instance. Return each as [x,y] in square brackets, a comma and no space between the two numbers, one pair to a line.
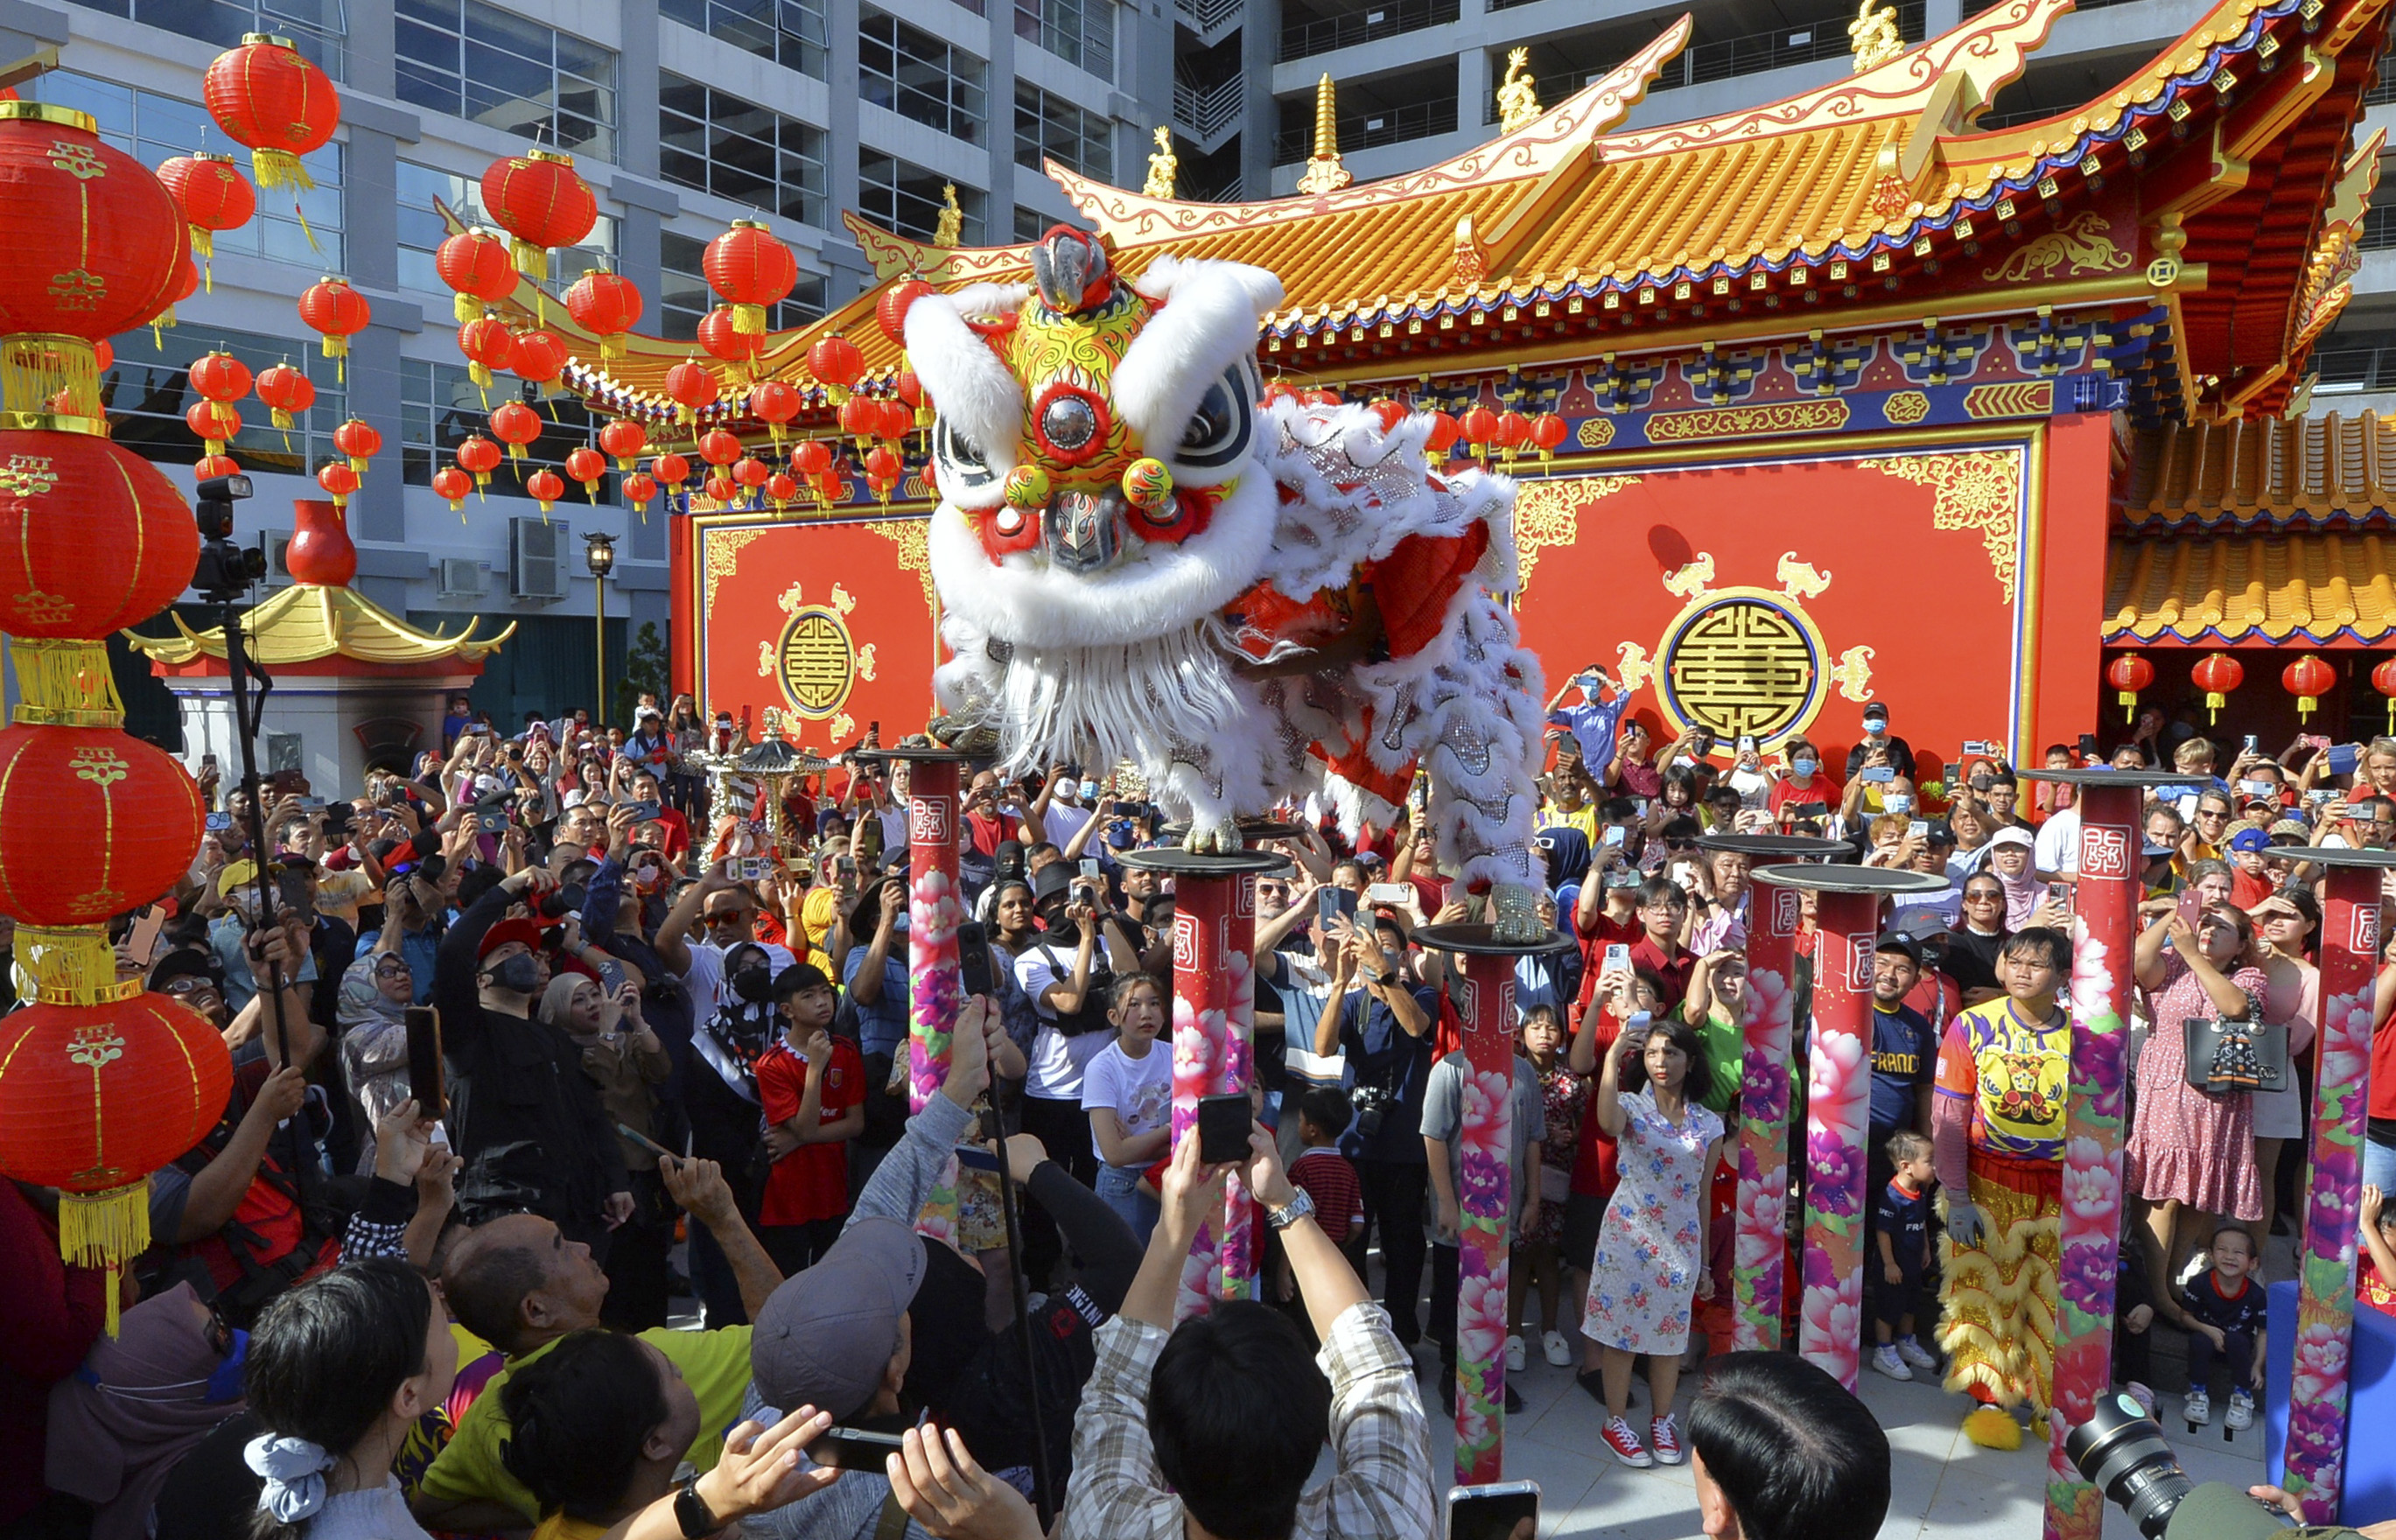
[1372,1105]
[2120,1451]
[225,570]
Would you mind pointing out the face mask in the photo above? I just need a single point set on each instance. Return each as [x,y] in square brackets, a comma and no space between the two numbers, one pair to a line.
[517,974]
[1875,725]
[1067,790]
[1898,804]
[753,984]
[1807,766]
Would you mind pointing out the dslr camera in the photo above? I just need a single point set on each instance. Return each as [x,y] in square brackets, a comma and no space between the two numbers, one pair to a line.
[1372,1105]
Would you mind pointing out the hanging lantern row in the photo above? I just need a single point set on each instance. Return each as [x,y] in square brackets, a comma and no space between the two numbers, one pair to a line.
[2129,675]
[2217,673]
[2383,679]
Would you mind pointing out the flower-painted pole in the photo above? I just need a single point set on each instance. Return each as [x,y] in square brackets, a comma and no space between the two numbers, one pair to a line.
[2317,1402]
[935,909]
[1485,1189]
[1760,1159]
[1838,1099]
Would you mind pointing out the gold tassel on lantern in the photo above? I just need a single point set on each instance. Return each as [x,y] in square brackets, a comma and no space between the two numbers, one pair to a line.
[612,346]
[464,305]
[337,347]
[105,1231]
[748,320]
[45,372]
[65,684]
[279,168]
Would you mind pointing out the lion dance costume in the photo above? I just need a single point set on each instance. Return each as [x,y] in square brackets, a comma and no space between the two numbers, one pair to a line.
[1142,558]
[1998,1121]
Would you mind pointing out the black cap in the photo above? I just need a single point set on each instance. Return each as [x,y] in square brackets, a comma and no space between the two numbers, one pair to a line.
[1897,941]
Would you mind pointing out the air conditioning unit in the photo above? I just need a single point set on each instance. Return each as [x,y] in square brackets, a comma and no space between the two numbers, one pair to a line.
[462,578]
[278,565]
[536,558]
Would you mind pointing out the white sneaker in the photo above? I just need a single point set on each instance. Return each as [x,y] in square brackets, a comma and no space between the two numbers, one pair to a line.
[2239,1416]
[1514,1354]
[2198,1408]
[1915,1354]
[1885,1361]
[1559,1351]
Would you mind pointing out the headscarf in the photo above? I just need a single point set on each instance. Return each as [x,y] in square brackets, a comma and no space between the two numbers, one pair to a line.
[740,1031]
[374,1044]
[142,1401]
[558,1000]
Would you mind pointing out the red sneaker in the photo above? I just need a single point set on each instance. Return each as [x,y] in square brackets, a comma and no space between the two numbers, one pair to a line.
[1626,1445]
[1666,1436]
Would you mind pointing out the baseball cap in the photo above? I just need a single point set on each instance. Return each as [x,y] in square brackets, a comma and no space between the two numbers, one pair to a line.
[2012,834]
[2155,851]
[234,874]
[828,1333]
[2250,839]
[186,962]
[518,929]
[1897,941]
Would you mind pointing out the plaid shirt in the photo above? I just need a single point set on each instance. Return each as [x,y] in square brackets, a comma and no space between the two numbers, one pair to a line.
[1380,1489]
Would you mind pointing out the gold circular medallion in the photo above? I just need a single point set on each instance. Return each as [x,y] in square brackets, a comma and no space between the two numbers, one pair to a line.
[818,661]
[1744,663]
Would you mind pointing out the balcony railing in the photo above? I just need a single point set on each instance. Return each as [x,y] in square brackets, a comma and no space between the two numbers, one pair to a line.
[1210,19]
[2384,88]
[1300,40]
[1721,60]
[1390,125]
[1208,115]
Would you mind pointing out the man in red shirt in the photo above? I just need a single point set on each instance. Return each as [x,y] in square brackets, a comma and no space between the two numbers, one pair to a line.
[1663,915]
[1605,915]
[812,1088]
[674,830]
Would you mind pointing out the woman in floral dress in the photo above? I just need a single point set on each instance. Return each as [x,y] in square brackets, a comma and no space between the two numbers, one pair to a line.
[1535,1259]
[1651,1251]
[2191,1153]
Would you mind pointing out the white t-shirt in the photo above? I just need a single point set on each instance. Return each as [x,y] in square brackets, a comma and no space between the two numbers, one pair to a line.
[704,978]
[1063,821]
[1139,1091]
[2058,842]
[1057,1061]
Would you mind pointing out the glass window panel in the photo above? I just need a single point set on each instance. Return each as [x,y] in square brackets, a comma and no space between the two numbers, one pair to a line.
[717,143]
[146,392]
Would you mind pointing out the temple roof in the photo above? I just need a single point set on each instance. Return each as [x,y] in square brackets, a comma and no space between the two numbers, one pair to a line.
[2271,476]
[309,622]
[2322,588]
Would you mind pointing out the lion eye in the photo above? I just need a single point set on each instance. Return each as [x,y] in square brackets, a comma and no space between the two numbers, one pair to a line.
[1217,434]
[959,458]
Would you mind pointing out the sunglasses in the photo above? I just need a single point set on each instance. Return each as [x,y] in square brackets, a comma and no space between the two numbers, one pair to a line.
[1984,897]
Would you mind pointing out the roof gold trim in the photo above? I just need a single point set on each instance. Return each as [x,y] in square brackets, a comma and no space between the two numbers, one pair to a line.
[309,622]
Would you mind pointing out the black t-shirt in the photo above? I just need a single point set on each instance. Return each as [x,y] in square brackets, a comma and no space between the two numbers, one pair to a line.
[1971,958]
[2245,1312]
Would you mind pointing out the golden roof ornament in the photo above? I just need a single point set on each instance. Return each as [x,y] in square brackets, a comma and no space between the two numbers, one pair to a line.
[1324,173]
[1161,165]
[1873,34]
[1471,264]
[953,218]
[1518,95]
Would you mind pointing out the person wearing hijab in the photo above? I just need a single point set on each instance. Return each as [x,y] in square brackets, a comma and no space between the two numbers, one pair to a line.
[371,1011]
[142,1400]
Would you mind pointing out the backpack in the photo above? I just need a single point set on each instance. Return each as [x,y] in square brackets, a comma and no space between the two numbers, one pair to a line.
[1092,1017]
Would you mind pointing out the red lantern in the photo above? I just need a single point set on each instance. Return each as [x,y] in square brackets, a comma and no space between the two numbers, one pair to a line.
[2383,679]
[586,465]
[910,389]
[90,244]
[640,488]
[1547,432]
[1480,427]
[453,484]
[1389,413]
[1513,432]
[209,467]
[359,441]
[479,456]
[213,423]
[339,311]
[673,470]
[264,95]
[213,195]
[219,377]
[286,391]
[1443,434]
[96,1097]
[837,365]
[476,265]
[2217,673]
[607,306]
[890,310]
[139,811]
[723,339]
[339,481]
[515,425]
[720,487]
[750,472]
[783,487]
[719,447]
[773,402]
[882,461]
[187,283]
[540,199]
[2307,679]
[829,487]
[750,268]
[539,357]
[92,537]
[545,487]
[691,386]
[625,439]
[898,418]
[812,458]
[488,346]
[861,418]
[2128,674]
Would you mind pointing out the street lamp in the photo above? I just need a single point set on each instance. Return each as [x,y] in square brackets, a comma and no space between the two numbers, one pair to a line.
[599,556]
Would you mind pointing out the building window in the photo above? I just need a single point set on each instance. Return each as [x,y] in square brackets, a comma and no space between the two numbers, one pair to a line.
[1050,125]
[439,408]
[1079,32]
[790,33]
[151,128]
[421,229]
[900,195]
[147,391]
[917,75]
[714,141]
[318,28]
[684,297]
[477,62]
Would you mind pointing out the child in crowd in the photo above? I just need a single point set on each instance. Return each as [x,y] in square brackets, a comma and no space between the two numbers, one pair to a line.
[1901,1231]
[2224,1313]
[1127,1095]
[2374,1277]
[1325,1175]
[811,1086]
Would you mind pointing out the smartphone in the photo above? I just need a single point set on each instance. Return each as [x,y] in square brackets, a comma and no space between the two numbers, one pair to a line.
[2059,893]
[2088,745]
[1977,746]
[1918,829]
[973,960]
[644,811]
[1501,1511]
[1388,893]
[750,869]
[1090,869]
[142,942]
[1614,833]
[424,1060]
[1223,1123]
[1808,810]
[219,822]
[1746,743]
[1331,902]
[208,762]
[2254,744]
[291,888]
[1878,775]
[2320,795]
[854,1449]
[1616,956]
[2342,757]
[645,1141]
[1637,1028]
[2191,904]
[2257,789]
[977,1156]
[846,866]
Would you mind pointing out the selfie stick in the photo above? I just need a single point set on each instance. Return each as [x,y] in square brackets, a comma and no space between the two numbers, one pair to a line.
[996,1133]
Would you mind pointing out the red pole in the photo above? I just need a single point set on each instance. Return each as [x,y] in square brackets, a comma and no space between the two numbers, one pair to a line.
[1214,1018]
[935,908]
[1838,1108]
[1487,1186]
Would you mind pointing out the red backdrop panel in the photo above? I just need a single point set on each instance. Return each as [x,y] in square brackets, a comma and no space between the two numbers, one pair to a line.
[830,623]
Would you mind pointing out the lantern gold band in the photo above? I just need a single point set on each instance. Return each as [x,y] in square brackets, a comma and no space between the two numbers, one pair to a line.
[53,422]
[48,112]
[64,683]
[271,40]
[73,964]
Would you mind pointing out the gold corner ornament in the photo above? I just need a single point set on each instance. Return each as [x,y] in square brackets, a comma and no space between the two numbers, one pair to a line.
[1324,173]
[951,226]
[1977,490]
[1471,263]
[1547,512]
[1518,95]
[1162,165]
[1873,36]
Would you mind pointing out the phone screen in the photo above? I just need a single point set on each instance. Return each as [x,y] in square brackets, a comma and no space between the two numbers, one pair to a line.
[2088,745]
[141,943]
[424,1060]
[1613,835]
[1504,1510]
[1223,1123]
[1618,956]
[2191,904]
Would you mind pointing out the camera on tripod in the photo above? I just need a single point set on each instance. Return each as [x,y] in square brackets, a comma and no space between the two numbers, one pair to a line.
[225,570]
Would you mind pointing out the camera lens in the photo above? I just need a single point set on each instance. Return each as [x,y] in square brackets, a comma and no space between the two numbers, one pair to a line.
[2120,1451]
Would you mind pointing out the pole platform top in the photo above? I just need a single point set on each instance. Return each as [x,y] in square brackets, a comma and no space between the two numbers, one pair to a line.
[1178,862]
[2140,779]
[1850,879]
[1789,847]
[929,754]
[1251,829]
[2331,856]
[1480,940]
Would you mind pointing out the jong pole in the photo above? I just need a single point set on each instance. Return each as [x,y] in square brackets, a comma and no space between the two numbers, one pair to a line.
[2350,963]
[935,909]
[1838,1099]
[2104,929]
[1485,1185]
[1760,1159]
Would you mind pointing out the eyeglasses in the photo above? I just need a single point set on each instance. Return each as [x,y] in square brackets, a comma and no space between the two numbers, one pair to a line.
[2212,815]
[1984,897]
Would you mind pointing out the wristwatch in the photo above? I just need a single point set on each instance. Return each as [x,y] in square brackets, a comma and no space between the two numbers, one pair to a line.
[691,1512]
[1301,1206]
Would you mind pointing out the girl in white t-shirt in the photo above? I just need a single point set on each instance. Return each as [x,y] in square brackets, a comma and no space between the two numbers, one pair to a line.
[1127,1093]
